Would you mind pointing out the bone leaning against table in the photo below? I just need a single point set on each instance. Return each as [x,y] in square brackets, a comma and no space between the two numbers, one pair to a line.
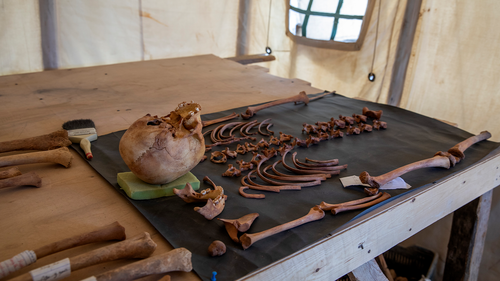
[114,96]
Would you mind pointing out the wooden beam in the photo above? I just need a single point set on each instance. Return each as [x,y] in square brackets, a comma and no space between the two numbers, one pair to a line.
[403,52]
[466,244]
[369,271]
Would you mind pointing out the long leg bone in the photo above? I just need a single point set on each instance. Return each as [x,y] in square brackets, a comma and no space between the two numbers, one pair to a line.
[138,247]
[242,225]
[44,142]
[60,156]
[31,179]
[175,260]
[112,231]
[12,172]
[314,214]
[253,109]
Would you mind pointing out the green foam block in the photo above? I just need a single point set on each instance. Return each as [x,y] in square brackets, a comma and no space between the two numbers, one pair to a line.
[139,190]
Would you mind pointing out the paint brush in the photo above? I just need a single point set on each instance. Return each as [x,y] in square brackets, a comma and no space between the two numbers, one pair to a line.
[82,131]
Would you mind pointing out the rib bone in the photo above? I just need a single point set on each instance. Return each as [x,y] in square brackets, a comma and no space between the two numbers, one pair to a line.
[315,213]
[253,109]
[175,260]
[60,156]
[328,207]
[44,142]
[344,208]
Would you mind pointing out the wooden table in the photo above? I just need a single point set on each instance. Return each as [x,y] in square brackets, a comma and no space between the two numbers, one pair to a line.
[74,199]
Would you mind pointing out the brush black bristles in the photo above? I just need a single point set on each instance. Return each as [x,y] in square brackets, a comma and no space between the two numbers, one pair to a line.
[78,124]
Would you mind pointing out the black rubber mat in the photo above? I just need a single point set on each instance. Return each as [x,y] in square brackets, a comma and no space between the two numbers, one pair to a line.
[409,137]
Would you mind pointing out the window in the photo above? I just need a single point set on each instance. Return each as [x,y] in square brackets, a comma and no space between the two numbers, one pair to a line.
[339,24]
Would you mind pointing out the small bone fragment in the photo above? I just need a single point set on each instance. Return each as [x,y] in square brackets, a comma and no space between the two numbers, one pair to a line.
[269,153]
[60,156]
[274,140]
[213,207]
[339,123]
[44,142]
[458,149]
[241,149]
[203,158]
[365,127]
[379,125]
[301,97]
[302,143]
[314,140]
[287,147]
[138,247]
[376,115]
[251,147]
[314,214]
[229,153]
[263,143]
[175,260]
[345,208]
[242,225]
[323,126]
[269,126]
[347,119]
[12,172]
[257,158]
[328,207]
[247,195]
[310,129]
[231,172]
[189,195]
[217,248]
[359,118]
[376,182]
[285,137]
[218,157]
[28,179]
[323,136]
[351,130]
[336,133]
[218,120]
[245,165]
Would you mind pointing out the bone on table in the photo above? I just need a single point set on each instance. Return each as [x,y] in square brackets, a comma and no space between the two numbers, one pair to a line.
[315,213]
[242,225]
[218,120]
[175,260]
[28,179]
[60,156]
[437,161]
[113,231]
[301,97]
[9,173]
[138,247]
[44,142]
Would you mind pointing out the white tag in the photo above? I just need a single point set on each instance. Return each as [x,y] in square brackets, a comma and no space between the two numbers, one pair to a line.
[91,278]
[83,131]
[17,262]
[53,271]
[397,183]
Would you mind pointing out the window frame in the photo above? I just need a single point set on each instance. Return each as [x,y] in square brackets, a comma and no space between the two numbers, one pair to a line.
[331,44]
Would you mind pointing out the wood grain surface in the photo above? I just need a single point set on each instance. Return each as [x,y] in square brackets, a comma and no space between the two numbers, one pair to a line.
[73,200]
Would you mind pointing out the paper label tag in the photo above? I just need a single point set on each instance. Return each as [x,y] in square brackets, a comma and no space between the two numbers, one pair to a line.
[83,131]
[397,183]
[17,262]
[91,278]
[53,271]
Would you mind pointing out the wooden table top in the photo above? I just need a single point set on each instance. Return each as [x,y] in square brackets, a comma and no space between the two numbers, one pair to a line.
[76,199]
[113,96]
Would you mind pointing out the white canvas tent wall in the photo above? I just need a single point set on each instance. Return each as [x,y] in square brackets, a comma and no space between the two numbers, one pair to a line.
[450,75]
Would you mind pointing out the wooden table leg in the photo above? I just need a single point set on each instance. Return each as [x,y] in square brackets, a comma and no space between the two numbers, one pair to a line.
[466,244]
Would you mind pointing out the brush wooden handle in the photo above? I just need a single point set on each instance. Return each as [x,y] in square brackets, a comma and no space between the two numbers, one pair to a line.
[85,145]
